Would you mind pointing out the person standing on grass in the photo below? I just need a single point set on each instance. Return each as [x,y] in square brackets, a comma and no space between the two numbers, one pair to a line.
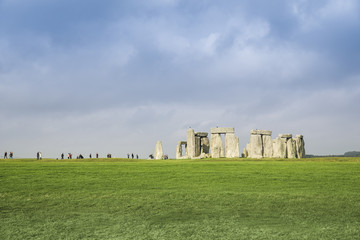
[37,156]
[90,156]
[62,156]
[5,155]
[40,156]
[97,155]
[11,155]
[132,156]
[137,156]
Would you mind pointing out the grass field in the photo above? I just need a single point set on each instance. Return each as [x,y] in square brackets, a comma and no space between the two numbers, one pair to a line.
[180,199]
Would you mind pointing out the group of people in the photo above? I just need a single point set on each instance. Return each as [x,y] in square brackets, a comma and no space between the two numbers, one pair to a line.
[11,155]
[132,156]
[38,155]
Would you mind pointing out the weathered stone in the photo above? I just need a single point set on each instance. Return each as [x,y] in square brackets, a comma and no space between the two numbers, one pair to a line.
[216,146]
[279,147]
[291,148]
[256,146]
[222,130]
[179,152]
[205,145]
[197,146]
[191,145]
[261,132]
[201,134]
[267,146]
[300,146]
[158,150]
[231,146]
[285,135]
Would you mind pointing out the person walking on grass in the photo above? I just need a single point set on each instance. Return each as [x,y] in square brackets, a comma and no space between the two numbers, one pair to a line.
[5,155]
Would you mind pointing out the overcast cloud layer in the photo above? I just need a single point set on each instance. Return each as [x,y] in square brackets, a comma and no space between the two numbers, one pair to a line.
[116,76]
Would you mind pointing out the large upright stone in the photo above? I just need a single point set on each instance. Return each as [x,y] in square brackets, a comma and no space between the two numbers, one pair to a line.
[267,146]
[216,146]
[191,144]
[300,146]
[158,150]
[279,147]
[231,146]
[256,146]
[291,148]
[197,146]
[205,145]
[179,151]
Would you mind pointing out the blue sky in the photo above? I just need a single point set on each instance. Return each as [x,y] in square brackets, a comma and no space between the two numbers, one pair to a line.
[116,76]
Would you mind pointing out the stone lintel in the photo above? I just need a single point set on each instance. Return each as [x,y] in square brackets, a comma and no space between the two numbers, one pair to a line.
[222,130]
[285,135]
[299,136]
[182,142]
[261,132]
[201,134]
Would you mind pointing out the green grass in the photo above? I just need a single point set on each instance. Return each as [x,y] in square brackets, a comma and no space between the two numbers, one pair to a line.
[180,199]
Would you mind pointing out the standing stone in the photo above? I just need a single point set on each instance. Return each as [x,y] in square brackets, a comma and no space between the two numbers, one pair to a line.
[158,150]
[191,144]
[216,146]
[279,146]
[179,152]
[197,146]
[267,146]
[231,146]
[291,148]
[205,145]
[256,146]
[300,146]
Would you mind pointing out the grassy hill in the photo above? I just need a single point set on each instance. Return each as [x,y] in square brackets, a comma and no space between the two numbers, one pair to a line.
[180,199]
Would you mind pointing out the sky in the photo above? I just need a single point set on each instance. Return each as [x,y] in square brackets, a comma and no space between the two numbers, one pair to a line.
[117,76]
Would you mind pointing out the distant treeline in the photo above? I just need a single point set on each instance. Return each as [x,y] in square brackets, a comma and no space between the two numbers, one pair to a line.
[347,154]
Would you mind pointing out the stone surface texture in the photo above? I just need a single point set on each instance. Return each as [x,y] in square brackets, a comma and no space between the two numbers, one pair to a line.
[158,150]
[231,146]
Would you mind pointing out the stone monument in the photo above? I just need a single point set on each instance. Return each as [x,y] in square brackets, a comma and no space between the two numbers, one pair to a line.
[159,154]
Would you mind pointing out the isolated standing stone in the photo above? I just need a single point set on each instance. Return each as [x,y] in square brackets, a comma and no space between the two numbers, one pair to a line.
[158,150]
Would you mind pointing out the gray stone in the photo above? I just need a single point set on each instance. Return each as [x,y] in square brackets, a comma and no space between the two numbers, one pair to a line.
[231,146]
[197,146]
[216,146]
[201,134]
[291,148]
[256,146]
[285,135]
[191,145]
[158,150]
[300,146]
[222,130]
[261,132]
[267,146]
[179,152]
[279,147]
[205,145]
